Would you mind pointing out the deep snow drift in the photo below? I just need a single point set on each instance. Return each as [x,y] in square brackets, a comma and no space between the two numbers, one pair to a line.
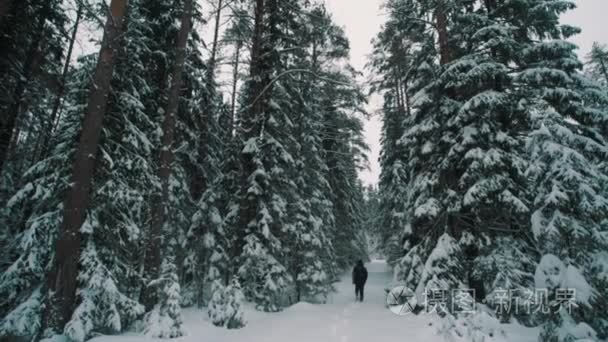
[340,320]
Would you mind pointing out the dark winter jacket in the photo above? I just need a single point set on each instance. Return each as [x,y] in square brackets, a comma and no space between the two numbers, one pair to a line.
[359,274]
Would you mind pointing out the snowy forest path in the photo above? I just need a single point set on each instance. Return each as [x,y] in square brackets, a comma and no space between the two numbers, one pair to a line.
[341,319]
[370,320]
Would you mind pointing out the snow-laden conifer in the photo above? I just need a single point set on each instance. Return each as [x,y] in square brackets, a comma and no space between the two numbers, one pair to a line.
[165,320]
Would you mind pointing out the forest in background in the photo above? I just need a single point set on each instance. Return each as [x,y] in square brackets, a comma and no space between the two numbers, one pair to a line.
[133,184]
[134,181]
[495,159]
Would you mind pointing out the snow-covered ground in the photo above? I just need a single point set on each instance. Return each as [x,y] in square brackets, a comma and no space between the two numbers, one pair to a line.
[342,319]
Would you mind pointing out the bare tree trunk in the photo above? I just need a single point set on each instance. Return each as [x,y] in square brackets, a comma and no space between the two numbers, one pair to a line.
[398,91]
[55,115]
[213,58]
[442,30]
[63,281]
[450,176]
[43,143]
[408,106]
[235,81]
[198,181]
[159,208]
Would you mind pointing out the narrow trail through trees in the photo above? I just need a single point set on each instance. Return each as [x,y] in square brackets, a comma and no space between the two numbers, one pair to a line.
[341,319]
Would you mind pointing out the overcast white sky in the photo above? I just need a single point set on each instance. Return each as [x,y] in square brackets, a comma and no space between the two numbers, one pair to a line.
[362,19]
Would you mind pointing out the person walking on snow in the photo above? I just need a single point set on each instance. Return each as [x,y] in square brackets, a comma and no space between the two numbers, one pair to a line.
[359,279]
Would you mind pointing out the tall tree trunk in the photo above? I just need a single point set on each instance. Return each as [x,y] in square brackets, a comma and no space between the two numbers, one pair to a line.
[604,69]
[396,99]
[63,280]
[450,176]
[247,127]
[199,181]
[406,95]
[214,47]
[43,143]
[398,91]
[55,115]
[235,81]
[408,105]
[442,31]
[160,205]
[405,101]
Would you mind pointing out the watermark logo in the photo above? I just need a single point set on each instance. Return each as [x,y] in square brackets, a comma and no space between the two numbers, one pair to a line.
[401,300]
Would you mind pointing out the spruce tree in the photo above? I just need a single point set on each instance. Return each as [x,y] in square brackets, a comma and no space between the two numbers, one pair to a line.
[398,51]
[164,320]
[264,161]
[225,307]
[344,153]
[566,148]
[35,212]
[161,206]
[286,184]
[212,173]
[67,254]
[497,72]
[463,152]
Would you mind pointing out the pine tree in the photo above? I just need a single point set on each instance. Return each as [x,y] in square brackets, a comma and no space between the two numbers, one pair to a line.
[461,138]
[398,49]
[441,272]
[164,320]
[505,265]
[209,256]
[225,307]
[234,314]
[36,228]
[344,150]
[569,197]
[188,170]
[102,307]
[238,33]
[570,207]
[212,178]
[312,258]
[279,185]
[262,206]
[209,119]
[285,188]
[123,180]
[372,219]
[497,72]
[77,199]
[115,223]
[166,158]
